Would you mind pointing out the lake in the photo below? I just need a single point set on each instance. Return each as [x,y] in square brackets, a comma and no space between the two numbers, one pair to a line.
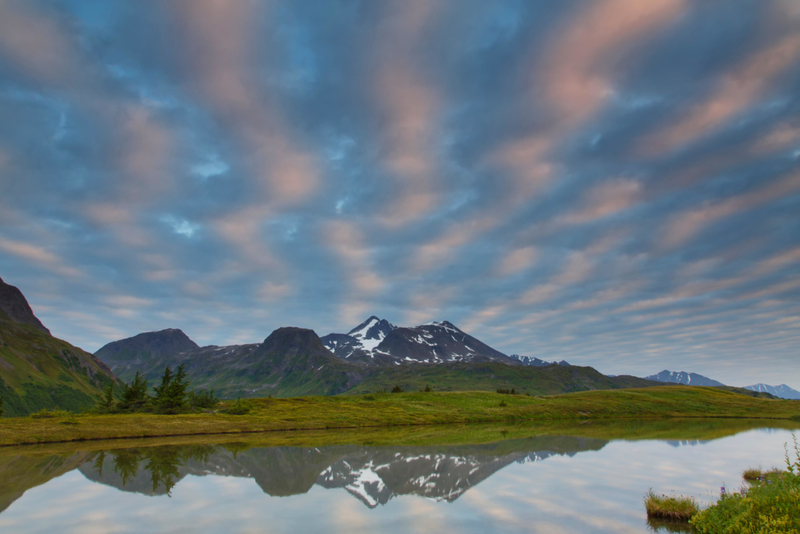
[555,479]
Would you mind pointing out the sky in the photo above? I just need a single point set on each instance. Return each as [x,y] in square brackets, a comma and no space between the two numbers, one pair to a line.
[615,183]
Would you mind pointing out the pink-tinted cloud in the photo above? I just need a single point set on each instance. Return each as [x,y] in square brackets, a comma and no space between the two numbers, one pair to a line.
[579,69]
[738,89]
[220,38]
[39,256]
[686,225]
[516,260]
[606,199]
[347,243]
[410,108]
[442,249]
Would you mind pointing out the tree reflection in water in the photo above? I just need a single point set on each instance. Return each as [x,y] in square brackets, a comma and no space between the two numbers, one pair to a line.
[161,463]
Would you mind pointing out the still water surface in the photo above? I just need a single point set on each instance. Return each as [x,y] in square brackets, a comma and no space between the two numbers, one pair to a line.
[537,484]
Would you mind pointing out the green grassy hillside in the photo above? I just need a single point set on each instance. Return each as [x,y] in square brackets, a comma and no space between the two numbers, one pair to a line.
[549,380]
[393,409]
[39,371]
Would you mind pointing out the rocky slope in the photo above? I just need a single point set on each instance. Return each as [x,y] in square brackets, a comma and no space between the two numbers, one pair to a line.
[38,370]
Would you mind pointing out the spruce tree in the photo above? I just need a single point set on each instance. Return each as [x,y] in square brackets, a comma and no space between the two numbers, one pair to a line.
[135,396]
[171,394]
[107,402]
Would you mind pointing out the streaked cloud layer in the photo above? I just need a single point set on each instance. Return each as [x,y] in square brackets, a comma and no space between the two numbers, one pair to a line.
[614,183]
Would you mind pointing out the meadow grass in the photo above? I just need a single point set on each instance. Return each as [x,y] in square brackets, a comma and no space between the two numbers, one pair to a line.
[670,508]
[403,409]
[769,504]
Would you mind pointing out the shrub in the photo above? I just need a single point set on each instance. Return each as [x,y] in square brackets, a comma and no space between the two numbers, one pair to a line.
[240,407]
[2,410]
[670,508]
[203,399]
[397,389]
[428,389]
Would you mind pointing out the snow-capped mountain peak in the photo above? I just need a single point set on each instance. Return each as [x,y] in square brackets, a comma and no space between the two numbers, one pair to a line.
[682,377]
[371,332]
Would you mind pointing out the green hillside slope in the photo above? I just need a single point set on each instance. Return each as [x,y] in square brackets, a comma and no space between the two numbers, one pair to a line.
[549,380]
[39,371]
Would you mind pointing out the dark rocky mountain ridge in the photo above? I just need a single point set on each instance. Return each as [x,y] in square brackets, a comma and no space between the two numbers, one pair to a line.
[14,304]
[148,348]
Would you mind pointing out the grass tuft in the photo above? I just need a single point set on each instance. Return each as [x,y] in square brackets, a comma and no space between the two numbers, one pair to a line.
[751,473]
[670,508]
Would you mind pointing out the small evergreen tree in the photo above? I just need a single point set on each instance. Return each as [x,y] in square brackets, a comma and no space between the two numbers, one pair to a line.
[2,410]
[397,389]
[134,397]
[107,401]
[171,394]
[428,389]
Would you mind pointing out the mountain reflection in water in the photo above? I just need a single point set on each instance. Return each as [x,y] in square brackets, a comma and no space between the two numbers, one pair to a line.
[373,475]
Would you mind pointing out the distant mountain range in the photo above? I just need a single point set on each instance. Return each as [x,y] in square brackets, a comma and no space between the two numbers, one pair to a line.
[376,355]
[693,379]
[783,391]
[536,362]
[687,379]
[39,371]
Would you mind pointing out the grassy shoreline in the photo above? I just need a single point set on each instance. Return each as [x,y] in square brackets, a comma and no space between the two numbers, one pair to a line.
[407,409]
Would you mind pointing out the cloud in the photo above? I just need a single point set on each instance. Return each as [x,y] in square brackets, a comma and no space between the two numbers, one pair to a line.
[410,108]
[516,260]
[424,161]
[606,199]
[736,91]
[218,38]
[39,256]
[346,241]
[579,68]
[686,225]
